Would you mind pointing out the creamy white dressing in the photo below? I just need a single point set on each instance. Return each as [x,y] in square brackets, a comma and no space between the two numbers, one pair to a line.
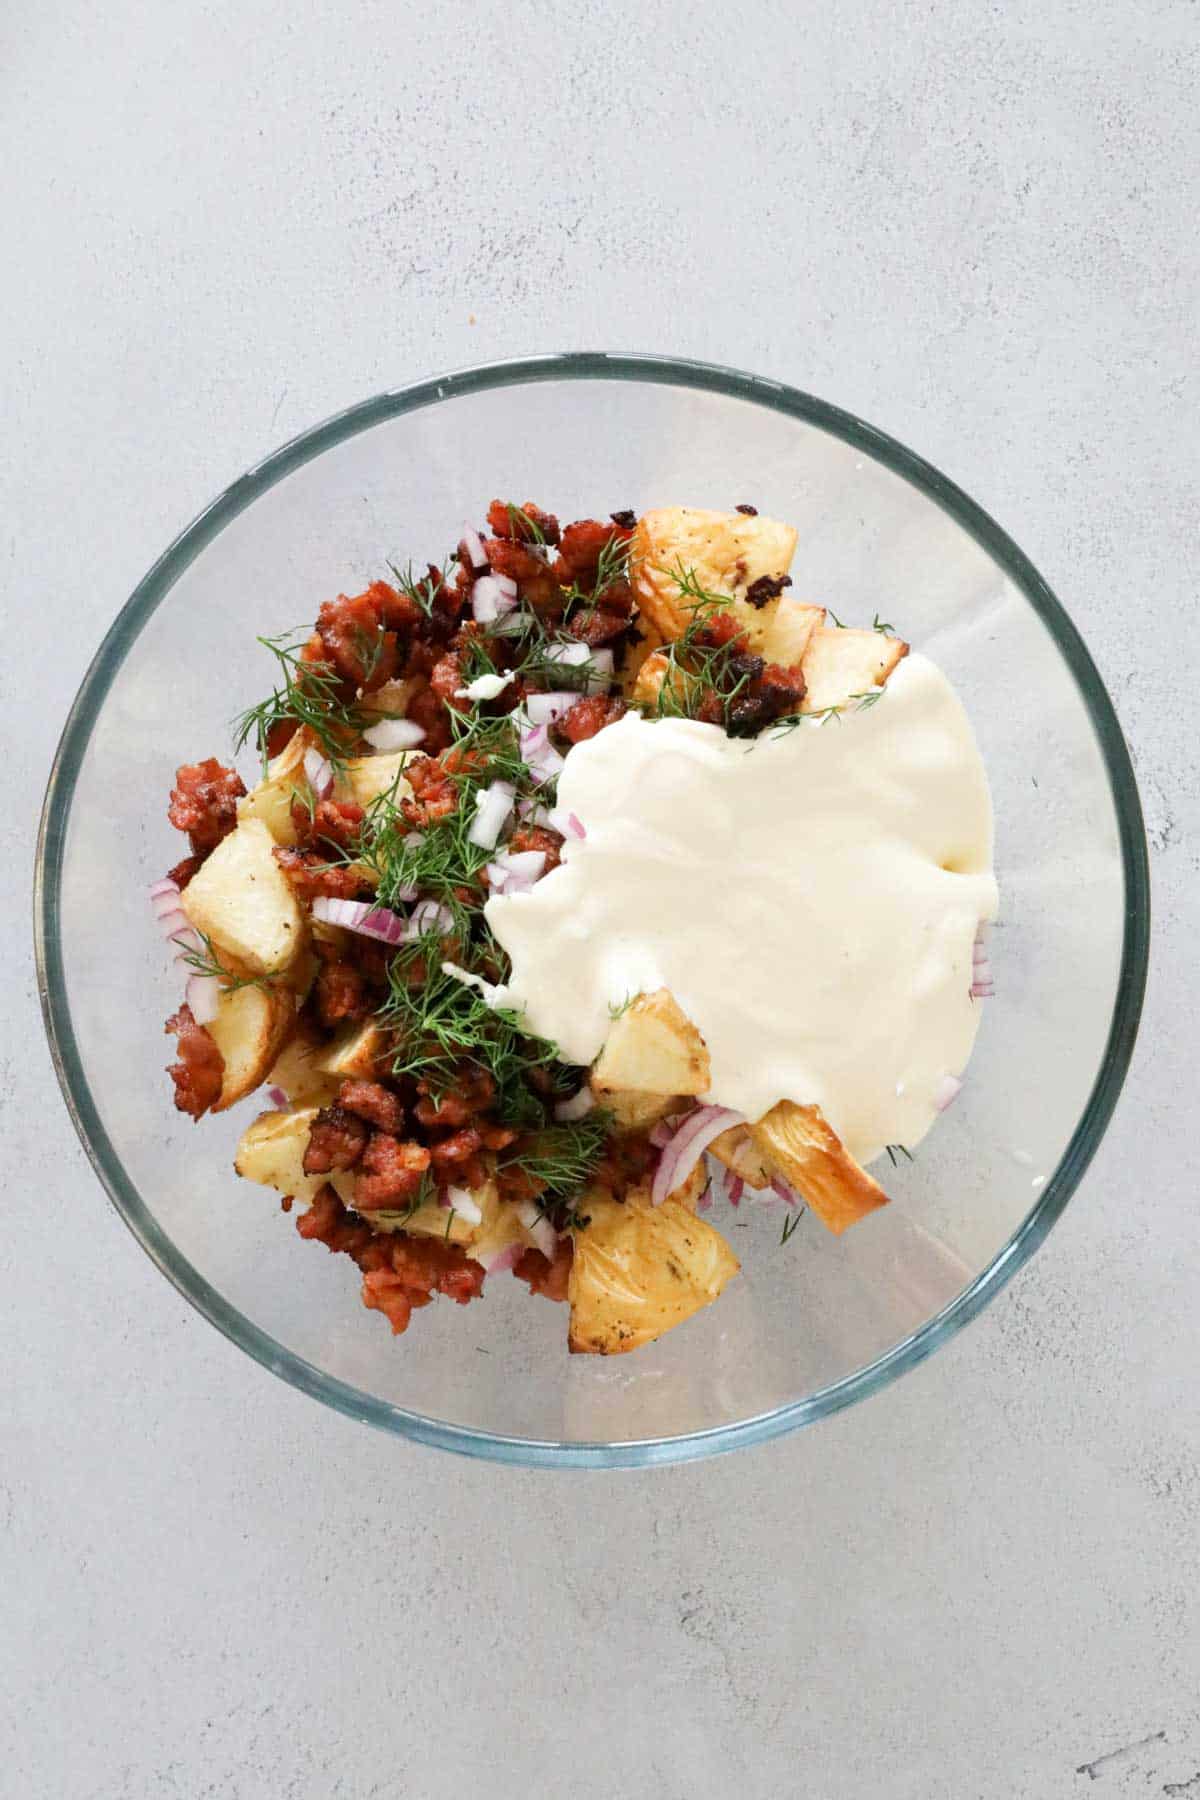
[810,899]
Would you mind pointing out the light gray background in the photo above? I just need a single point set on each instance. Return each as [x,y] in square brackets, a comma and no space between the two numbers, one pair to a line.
[976,226]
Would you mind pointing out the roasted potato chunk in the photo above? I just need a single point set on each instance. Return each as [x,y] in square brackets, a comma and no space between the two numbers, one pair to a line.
[272,1149]
[798,1143]
[241,899]
[249,1031]
[392,700]
[271,801]
[840,663]
[370,776]
[501,1228]
[788,626]
[639,1270]
[728,553]
[353,1053]
[649,683]
[741,1156]
[653,1048]
[297,1070]
[634,1111]
[636,658]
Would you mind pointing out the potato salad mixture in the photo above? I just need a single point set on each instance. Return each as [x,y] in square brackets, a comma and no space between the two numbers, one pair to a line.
[592,884]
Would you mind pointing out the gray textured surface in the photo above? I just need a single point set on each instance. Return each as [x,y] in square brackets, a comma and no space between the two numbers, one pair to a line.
[976,227]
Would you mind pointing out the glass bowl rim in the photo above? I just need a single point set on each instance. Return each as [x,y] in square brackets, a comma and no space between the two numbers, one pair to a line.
[153,589]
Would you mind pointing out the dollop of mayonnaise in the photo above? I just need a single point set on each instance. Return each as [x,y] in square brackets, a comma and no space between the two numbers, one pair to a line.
[810,898]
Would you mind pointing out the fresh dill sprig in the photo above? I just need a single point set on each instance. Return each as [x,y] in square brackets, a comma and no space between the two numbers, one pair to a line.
[840,623]
[439,860]
[618,1012]
[310,694]
[692,588]
[878,624]
[520,524]
[790,1225]
[439,1023]
[853,703]
[612,566]
[420,590]
[207,962]
[695,669]
[895,1150]
[561,1156]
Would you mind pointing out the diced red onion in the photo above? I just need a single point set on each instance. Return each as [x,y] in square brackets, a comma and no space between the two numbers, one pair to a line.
[493,804]
[395,734]
[706,1198]
[533,812]
[662,1134]
[507,586]
[429,916]
[203,995]
[161,888]
[276,1096]
[165,905]
[525,865]
[546,709]
[318,772]
[577,1107]
[737,1188]
[508,1258]
[601,672]
[982,987]
[779,1186]
[514,624]
[489,601]
[539,754]
[947,1091]
[464,1204]
[567,824]
[571,655]
[540,1229]
[545,764]
[688,1145]
[472,543]
[377,922]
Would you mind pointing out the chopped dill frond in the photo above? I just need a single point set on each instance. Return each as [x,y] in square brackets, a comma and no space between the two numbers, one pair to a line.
[310,694]
[207,962]
[562,1156]
[790,1225]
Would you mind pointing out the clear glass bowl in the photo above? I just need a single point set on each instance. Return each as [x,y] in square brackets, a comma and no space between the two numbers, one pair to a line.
[808,1327]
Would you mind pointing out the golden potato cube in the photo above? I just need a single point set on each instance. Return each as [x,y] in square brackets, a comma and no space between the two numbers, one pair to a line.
[271,1151]
[370,776]
[840,663]
[271,801]
[787,629]
[798,1143]
[298,1072]
[634,1111]
[640,1270]
[249,1031]
[726,552]
[741,1156]
[240,898]
[654,1048]
[354,1053]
